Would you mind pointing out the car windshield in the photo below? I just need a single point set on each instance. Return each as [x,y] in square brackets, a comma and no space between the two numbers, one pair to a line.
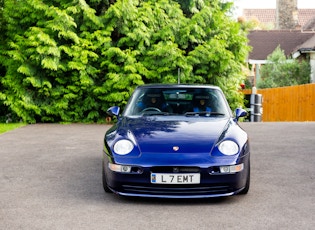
[177,101]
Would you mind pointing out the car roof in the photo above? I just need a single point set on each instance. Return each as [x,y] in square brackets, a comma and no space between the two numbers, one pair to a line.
[153,86]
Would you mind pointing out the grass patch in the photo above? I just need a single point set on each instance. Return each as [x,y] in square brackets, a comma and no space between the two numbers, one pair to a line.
[10,126]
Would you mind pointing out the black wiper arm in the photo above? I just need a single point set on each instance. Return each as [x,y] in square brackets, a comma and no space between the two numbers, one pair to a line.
[204,113]
[217,113]
[197,113]
[154,113]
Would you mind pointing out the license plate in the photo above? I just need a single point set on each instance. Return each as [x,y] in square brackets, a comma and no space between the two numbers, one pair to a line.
[175,178]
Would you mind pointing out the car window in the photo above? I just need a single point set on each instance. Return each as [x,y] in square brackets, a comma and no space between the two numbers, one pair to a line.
[177,101]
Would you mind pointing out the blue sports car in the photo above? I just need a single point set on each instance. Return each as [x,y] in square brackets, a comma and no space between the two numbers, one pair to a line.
[176,141]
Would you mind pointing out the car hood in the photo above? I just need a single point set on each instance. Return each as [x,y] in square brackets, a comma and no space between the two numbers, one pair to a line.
[166,141]
[188,135]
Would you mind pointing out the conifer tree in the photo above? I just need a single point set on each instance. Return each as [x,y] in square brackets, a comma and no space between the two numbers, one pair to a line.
[69,60]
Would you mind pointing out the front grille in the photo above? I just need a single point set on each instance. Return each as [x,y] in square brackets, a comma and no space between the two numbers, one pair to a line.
[176,190]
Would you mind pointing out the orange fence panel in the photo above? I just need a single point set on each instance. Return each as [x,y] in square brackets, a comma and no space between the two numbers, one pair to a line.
[292,103]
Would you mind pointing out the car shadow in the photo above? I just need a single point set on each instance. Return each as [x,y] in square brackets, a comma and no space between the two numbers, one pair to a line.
[172,201]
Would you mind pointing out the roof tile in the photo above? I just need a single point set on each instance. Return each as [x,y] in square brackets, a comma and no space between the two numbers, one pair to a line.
[268,16]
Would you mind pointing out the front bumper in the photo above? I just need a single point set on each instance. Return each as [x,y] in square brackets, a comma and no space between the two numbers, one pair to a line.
[212,184]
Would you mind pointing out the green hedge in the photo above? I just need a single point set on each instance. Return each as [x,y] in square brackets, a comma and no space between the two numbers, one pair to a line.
[68,61]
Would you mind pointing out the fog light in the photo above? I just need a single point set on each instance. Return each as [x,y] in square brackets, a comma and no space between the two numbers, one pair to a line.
[125,168]
[224,169]
[119,168]
[232,168]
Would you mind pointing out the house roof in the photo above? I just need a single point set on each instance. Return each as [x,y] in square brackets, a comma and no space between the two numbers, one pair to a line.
[264,42]
[309,45]
[305,15]
[310,25]
[265,16]
[268,17]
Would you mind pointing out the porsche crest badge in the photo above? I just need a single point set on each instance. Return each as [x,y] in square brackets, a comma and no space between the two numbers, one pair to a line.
[175,148]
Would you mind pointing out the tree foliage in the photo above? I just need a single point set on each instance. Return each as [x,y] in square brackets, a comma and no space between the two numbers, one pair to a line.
[70,60]
[281,71]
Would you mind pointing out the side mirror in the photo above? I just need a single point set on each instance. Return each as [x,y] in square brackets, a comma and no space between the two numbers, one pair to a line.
[239,112]
[113,111]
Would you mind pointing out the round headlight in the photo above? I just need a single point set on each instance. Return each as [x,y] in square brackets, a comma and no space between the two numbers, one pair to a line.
[123,147]
[228,148]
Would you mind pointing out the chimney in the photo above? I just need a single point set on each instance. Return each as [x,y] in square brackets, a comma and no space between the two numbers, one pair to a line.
[286,14]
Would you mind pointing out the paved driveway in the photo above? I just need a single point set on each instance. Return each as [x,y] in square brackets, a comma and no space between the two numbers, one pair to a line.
[51,179]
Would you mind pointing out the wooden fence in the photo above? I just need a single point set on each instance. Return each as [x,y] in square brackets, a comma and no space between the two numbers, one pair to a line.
[293,103]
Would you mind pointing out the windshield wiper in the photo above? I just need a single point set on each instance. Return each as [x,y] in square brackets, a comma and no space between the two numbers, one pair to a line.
[204,114]
[155,113]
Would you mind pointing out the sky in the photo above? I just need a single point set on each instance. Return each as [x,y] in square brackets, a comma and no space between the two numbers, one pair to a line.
[269,4]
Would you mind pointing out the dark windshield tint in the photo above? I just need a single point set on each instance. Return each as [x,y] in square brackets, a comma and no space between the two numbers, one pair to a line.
[177,101]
